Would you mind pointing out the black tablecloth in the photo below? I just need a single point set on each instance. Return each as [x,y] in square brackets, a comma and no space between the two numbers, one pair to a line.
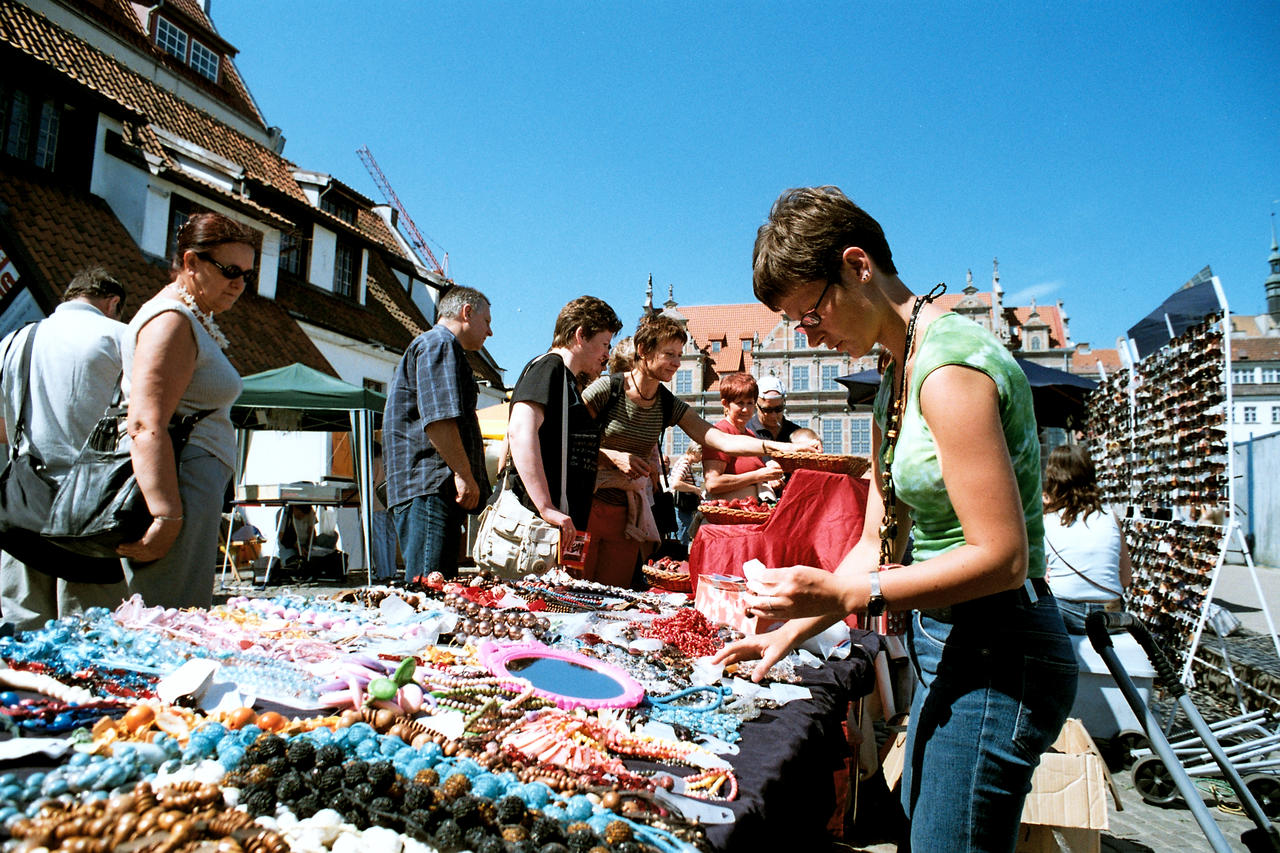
[786,759]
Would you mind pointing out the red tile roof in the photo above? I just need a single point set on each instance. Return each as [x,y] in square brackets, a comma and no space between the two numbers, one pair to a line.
[1255,349]
[1017,315]
[1086,363]
[53,231]
[730,324]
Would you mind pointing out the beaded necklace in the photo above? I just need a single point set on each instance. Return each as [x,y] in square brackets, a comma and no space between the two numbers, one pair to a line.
[205,317]
[893,425]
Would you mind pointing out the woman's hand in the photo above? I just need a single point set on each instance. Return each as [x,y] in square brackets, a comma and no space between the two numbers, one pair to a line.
[767,648]
[628,463]
[771,474]
[796,592]
[804,444]
[551,515]
[155,543]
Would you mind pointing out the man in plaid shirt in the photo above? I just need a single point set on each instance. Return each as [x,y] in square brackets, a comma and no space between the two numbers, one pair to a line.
[433,449]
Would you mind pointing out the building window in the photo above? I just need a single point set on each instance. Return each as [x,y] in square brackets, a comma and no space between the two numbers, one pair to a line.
[171,39]
[746,344]
[17,127]
[832,436]
[1251,414]
[1270,375]
[47,139]
[293,254]
[375,385]
[679,442]
[180,210]
[204,61]
[799,340]
[346,266]
[1275,414]
[339,207]
[1242,377]
[684,381]
[799,378]
[860,436]
[1037,342]
[715,346]
[829,374]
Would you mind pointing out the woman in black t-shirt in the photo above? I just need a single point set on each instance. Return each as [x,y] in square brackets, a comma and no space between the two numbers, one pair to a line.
[535,433]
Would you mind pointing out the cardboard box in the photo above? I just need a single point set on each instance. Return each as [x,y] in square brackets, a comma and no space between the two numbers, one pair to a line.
[1067,807]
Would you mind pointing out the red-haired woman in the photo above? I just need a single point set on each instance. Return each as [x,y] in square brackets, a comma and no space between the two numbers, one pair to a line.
[741,476]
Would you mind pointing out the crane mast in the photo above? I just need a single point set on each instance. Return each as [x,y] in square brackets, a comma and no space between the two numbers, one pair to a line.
[416,240]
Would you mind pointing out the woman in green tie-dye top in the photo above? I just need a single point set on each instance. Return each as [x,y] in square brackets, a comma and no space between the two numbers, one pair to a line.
[996,672]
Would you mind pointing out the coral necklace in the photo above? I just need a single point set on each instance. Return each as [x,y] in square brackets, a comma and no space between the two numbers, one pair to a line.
[205,317]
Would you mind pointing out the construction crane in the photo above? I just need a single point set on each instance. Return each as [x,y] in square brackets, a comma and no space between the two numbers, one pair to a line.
[416,240]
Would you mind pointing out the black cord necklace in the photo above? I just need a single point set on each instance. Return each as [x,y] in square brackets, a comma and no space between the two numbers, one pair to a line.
[635,386]
[893,424]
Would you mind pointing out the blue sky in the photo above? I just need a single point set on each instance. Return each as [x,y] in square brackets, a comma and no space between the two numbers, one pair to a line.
[1104,152]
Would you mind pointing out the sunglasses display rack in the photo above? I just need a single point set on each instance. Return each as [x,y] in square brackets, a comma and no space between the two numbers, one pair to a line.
[1158,435]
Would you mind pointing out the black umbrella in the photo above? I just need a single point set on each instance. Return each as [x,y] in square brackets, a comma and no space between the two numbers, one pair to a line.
[1058,395]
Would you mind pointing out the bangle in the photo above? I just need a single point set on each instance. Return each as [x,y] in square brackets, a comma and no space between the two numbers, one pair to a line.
[167,517]
[764,447]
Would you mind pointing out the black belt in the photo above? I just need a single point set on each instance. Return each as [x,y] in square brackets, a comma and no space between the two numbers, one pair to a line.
[996,601]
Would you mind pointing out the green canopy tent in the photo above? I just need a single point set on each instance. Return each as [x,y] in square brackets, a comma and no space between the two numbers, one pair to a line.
[299,398]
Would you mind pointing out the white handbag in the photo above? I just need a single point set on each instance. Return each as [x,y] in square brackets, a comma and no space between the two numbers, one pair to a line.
[512,540]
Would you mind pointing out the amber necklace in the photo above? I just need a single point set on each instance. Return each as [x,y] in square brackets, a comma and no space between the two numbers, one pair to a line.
[893,425]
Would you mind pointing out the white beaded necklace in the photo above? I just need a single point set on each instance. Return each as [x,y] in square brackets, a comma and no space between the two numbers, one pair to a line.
[205,318]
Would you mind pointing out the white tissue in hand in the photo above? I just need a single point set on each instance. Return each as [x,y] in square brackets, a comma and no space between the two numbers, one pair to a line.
[705,672]
[753,571]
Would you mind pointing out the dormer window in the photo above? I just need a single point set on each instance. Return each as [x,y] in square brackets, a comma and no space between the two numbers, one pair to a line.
[339,207]
[174,41]
[204,61]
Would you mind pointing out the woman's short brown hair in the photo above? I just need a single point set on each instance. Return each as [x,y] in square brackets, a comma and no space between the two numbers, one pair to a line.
[587,313]
[806,234]
[1071,484]
[654,330]
[738,388]
[203,231]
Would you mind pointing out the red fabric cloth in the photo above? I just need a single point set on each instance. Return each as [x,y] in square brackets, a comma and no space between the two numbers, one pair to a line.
[732,464]
[815,524]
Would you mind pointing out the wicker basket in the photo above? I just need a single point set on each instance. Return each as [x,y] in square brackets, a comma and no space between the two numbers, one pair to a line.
[854,466]
[668,580]
[728,515]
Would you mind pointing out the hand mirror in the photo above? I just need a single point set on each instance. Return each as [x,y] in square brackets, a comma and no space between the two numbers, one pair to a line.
[568,679]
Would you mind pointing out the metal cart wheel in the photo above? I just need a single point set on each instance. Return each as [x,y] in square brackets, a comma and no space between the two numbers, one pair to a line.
[1265,788]
[1124,744]
[1154,782]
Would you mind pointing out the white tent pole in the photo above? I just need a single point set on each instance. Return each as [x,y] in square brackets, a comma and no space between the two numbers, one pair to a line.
[362,447]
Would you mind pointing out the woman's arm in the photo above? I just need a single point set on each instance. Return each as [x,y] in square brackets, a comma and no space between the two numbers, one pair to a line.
[1126,565]
[164,361]
[522,438]
[735,445]
[718,482]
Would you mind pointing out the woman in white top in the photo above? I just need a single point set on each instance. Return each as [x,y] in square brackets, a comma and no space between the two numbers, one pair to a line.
[1087,558]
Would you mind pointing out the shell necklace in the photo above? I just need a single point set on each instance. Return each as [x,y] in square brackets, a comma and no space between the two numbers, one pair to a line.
[205,318]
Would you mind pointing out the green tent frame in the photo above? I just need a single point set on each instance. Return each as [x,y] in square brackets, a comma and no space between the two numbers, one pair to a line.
[300,398]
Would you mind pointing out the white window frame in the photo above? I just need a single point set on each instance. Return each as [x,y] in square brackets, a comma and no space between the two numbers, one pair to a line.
[799,377]
[799,340]
[832,435]
[860,436]
[1270,375]
[684,381]
[829,373]
[1250,415]
[204,61]
[171,38]
[1242,377]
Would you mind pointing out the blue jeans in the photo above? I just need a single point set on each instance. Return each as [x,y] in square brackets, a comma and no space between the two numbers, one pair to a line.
[1075,612]
[430,529]
[383,547]
[995,687]
[685,519]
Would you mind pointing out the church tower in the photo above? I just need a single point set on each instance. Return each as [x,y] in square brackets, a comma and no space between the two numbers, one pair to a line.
[1273,280]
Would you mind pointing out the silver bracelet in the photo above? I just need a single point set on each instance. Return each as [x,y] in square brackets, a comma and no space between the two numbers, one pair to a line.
[168,517]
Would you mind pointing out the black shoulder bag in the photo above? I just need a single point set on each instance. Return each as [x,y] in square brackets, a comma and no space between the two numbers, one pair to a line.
[26,495]
[99,505]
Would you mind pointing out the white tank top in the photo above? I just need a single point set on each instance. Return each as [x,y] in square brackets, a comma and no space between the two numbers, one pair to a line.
[1092,547]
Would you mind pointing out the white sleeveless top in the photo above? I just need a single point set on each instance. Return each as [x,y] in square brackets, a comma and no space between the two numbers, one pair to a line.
[214,385]
[1092,546]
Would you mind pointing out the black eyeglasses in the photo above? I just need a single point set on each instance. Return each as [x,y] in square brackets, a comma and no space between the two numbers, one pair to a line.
[811,318]
[768,410]
[231,272]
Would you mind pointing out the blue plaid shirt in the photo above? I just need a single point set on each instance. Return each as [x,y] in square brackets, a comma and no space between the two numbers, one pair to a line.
[433,382]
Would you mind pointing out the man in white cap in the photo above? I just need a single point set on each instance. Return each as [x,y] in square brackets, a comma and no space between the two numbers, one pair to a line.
[769,422]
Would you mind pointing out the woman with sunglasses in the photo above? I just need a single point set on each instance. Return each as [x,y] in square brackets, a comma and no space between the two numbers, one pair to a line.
[174,366]
[959,459]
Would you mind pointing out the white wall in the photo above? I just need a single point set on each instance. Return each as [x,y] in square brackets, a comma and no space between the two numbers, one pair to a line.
[324,245]
[124,187]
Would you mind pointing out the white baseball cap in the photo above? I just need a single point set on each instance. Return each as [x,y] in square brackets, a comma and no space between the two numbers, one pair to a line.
[770,386]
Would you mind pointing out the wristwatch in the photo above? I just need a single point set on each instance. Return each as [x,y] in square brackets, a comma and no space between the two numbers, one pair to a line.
[876,604]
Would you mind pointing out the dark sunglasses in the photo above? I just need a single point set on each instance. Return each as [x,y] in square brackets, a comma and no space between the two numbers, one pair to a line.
[231,272]
[770,409]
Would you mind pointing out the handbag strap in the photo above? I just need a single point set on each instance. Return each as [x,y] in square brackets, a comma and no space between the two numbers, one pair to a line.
[1082,575]
[24,376]
[564,444]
